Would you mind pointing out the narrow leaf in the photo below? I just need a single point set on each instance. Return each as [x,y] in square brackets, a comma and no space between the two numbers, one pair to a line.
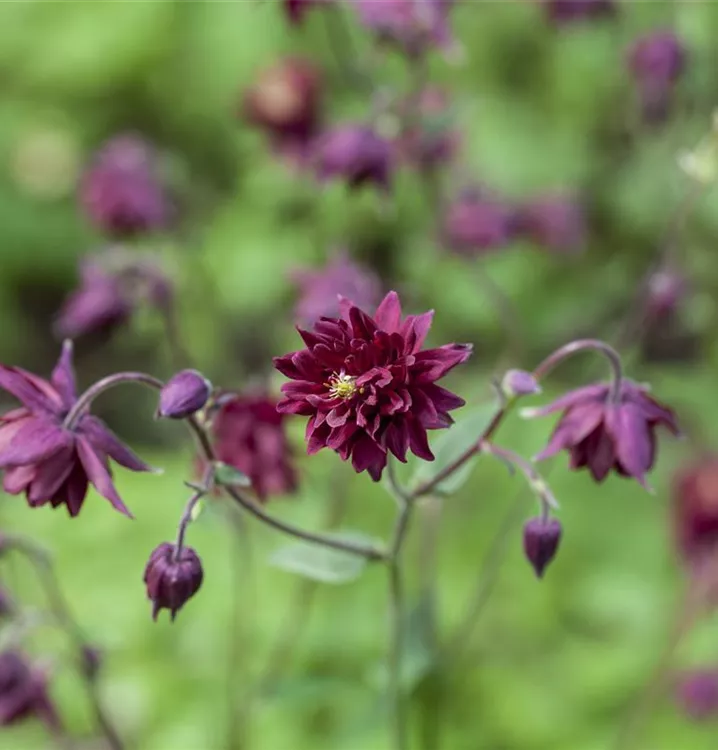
[227,475]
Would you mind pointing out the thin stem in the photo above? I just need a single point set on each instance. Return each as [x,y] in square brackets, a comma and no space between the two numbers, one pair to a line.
[179,355]
[582,345]
[427,487]
[396,651]
[61,611]
[105,384]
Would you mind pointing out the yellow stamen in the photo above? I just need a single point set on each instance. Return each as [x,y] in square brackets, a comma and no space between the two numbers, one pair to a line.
[343,386]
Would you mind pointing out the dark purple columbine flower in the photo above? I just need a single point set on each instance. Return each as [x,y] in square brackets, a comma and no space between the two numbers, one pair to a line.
[113,284]
[601,435]
[541,539]
[184,394]
[695,509]
[171,579]
[562,12]
[666,291]
[249,434]
[656,62]
[296,10]
[355,154]
[367,386]
[121,192]
[48,461]
[413,25]
[697,693]
[23,691]
[477,222]
[555,222]
[286,101]
[320,289]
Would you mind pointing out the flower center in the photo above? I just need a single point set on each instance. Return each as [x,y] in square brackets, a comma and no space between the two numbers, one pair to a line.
[343,386]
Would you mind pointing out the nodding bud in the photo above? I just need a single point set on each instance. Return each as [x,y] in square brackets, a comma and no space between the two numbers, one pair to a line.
[172,579]
[519,383]
[541,540]
[184,394]
[697,693]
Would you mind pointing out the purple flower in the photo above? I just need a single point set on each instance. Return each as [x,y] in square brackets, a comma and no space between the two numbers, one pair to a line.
[249,434]
[477,222]
[296,10]
[697,693]
[23,691]
[519,383]
[113,284]
[47,460]
[667,289]
[184,394]
[562,12]
[412,25]
[541,540]
[355,154]
[656,62]
[431,140]
[285,102]
[601,435]
[695,509]
[121,193]
[171,579]
[555,222]
[320,289]
[367,386]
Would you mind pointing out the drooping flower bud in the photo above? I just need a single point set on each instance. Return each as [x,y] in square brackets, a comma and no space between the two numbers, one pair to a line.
[477,222]
[184,394]
[555,222]
[296,10]
[562,12]
[695,510]
[171,582]
[23,691]
[656,62]
[666,290]
[519,383]
[697,693]
[541,540]
[356,154]
[285,101]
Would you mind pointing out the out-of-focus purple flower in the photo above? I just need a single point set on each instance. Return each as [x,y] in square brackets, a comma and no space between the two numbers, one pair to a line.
[320,289]
[23,691]
[541,539]
[555,222]
[562,12]
[477,222]
[285,102]
[431,140]
[121,192]
[368,387]
[48,461]
[172,579]
[519,383]
[249,434]
[184,394]
[413,25]
[656,62]
[695,509]
[602,435]
[666,291]
[113,284]
[356,154]
[697,693]
[296,10]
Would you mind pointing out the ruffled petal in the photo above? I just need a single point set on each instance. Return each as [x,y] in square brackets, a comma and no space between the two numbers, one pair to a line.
[98,474]
[37,440]
[63,376]
[104,440]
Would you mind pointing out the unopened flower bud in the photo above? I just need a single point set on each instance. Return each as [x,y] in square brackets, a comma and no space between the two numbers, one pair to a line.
[172,580]
[519,383]
[541,540]
[697,693]
[183,395]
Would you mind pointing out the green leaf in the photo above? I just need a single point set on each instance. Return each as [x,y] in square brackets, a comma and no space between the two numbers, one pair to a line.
[322,563]
[451,444]
[227,475]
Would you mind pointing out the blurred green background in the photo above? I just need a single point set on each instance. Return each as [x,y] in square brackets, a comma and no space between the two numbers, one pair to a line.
[550,665]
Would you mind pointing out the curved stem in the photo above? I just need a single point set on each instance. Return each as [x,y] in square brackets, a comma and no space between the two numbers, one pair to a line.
[186,518]
[105,384]
[581,345]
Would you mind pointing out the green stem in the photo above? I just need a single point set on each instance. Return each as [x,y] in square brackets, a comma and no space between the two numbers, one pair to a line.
[396,652]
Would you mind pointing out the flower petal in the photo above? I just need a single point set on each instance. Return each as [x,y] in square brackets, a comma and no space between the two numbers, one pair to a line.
[25,388]
[388,314]
[17,479]
[103,439]
[63,376]
[98,474]
[37,440]
[74,492]
[51,475]
[367,455]
[415,329]
[632,439]
[597,392]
